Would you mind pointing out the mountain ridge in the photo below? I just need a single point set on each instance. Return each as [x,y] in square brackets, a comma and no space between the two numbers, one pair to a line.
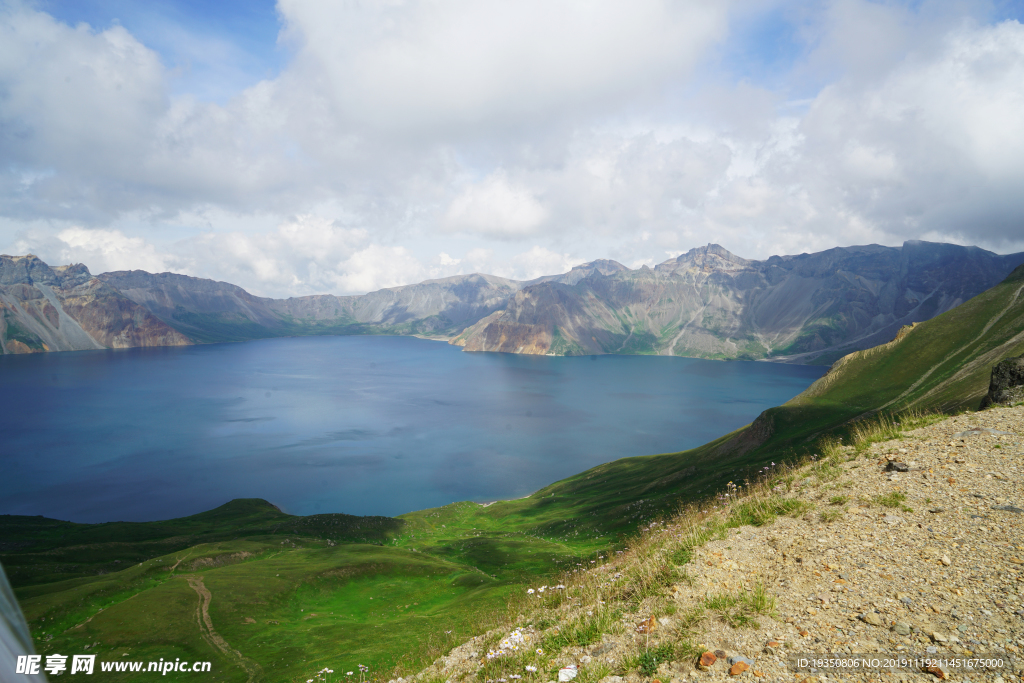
[705,303]
[64,308]
[711,303]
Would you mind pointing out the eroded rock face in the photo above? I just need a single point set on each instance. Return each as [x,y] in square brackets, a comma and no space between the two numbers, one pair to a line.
[66,309]
[1007,385]
[709,303]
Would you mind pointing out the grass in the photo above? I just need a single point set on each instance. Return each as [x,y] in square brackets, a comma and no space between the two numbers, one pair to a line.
[893,499]
[739,609]
[582,631]
[829,516]
[646,663]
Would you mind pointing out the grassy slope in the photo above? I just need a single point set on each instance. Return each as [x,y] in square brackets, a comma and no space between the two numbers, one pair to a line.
[462,560]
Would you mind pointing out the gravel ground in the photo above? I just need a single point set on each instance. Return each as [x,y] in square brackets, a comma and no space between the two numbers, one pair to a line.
[922,563]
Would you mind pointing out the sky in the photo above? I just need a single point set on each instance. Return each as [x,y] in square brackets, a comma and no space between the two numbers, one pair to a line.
[341,146]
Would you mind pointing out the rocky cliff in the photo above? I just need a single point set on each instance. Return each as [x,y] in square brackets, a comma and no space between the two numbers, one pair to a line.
[67,309]
[710,303]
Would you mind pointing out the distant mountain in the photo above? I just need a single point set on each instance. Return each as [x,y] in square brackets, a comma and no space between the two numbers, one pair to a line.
[66,309]
[217,311]
[709,303]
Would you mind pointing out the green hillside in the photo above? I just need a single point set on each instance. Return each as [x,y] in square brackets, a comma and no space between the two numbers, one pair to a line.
[290,595]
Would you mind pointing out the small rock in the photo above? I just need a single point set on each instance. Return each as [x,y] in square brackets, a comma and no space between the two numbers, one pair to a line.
[647,626]
[738,668]
[946,561]
[939,638]
[567,673]
[707,660]
[935,511]
[936,671]
[1007,508]
[902,628]
[871,618]
[720,654]
[892,519]
[740,658]
[894,466]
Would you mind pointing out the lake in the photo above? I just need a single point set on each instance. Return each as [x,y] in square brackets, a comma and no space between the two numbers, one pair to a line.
[361,425]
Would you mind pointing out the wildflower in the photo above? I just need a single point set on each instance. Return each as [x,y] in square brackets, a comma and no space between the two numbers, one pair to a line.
[532,669]
[349,673]
[530,591]
[540,651]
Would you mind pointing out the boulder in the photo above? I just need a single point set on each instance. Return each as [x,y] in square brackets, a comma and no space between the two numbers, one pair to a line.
[1007,383]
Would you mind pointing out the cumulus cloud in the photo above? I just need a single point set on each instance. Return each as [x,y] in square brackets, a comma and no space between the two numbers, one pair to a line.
[107,250]
[420,138]
[497,208]
[426,64]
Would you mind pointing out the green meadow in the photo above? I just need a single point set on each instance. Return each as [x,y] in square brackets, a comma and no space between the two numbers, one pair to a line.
[269,596]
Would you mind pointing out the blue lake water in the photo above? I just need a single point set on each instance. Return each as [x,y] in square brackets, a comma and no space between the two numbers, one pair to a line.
[362,425]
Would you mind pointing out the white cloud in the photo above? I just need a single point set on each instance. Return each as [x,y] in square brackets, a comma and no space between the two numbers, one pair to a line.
[447,261]
[420,138]
[540,261]
[107,250]
[496,208]
[377,267]
[428,64]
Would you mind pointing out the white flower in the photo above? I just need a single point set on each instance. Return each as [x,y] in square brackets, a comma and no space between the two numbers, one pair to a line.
[530,591]
[531,669]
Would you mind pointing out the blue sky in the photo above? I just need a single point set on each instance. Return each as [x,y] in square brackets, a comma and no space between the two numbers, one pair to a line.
[309,146]
[216,49]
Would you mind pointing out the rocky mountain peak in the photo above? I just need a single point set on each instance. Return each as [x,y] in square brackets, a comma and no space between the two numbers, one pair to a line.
[708,258]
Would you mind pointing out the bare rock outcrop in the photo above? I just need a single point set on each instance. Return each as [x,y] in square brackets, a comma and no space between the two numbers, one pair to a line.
[1007,385]
[66,309]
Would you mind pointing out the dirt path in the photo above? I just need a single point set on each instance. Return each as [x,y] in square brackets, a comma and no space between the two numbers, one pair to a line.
[180,560]
[254,670]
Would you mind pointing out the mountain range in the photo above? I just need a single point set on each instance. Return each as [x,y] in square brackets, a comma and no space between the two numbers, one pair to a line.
[706,303]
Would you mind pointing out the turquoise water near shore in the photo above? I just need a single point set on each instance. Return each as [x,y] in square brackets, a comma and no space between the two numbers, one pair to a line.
[361,425]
